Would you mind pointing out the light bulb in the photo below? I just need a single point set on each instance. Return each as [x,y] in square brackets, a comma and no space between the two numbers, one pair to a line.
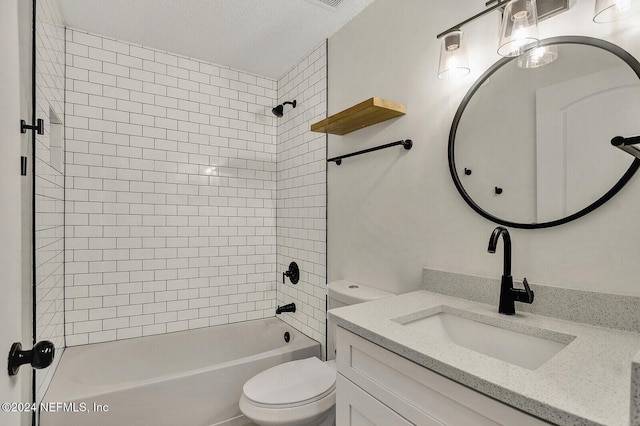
[519,30]
[538,57]
[453,57]
[614,10]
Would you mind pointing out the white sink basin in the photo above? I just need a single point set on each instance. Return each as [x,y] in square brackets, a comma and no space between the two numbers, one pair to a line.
[514,347]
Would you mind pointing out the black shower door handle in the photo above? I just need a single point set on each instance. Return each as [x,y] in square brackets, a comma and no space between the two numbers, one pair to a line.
[41,356]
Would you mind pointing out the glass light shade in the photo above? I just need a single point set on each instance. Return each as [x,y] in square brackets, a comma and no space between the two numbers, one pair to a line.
[614,10]
[453,57]
[538,57]
[519,28]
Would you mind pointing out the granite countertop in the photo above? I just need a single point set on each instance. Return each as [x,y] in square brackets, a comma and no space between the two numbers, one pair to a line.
[587,383]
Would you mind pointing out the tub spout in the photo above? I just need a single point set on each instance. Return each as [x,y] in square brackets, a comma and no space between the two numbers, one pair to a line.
[291,307]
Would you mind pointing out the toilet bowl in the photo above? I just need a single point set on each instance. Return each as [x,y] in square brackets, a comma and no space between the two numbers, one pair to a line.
[302,392]
[295,393]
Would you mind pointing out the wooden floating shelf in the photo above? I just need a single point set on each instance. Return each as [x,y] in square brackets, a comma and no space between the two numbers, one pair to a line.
[367,113]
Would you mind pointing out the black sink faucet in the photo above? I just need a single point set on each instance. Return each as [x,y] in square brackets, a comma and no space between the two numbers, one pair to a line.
[508,294]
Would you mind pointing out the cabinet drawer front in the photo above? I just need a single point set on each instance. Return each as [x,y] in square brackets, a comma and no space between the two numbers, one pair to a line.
[358,408]
[415,391]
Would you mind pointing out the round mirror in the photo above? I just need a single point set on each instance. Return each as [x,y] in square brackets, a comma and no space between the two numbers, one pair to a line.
[530,145]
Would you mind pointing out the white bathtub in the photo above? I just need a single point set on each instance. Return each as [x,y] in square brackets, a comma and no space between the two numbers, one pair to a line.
[190,378]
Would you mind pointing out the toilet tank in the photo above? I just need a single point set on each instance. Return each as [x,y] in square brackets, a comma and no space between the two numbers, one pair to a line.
[345,293]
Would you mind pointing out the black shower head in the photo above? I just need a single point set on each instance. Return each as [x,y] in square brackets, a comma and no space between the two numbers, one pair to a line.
[279,110]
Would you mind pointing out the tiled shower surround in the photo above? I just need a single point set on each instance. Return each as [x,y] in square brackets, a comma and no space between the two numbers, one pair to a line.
[49,180]
[301,195]
[170,192]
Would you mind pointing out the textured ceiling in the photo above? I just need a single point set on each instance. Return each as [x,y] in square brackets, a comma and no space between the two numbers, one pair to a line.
[266,37]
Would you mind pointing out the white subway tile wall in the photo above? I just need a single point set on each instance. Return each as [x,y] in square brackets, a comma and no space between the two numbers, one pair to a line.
[170,192]
[49,180]
[301,183]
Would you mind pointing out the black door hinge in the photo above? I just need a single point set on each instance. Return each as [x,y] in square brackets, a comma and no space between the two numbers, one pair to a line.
[39,127]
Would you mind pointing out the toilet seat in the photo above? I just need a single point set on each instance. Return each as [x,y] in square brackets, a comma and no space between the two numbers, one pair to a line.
[292,384]
[293,404]
[291,394]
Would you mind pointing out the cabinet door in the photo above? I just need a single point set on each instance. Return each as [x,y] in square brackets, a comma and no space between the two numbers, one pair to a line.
[417,393]
[355,407]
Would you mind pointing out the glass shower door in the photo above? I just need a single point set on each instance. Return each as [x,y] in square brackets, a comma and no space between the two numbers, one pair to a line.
[48,185]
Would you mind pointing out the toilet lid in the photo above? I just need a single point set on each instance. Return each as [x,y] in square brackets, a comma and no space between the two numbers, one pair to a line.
[291,383]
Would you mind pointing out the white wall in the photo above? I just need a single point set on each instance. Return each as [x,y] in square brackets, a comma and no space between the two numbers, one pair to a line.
[170,192]
[392,212]
[301,182]
[25,12]
[15,102]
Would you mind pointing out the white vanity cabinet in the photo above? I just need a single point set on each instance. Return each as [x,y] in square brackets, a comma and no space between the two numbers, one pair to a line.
[378,387]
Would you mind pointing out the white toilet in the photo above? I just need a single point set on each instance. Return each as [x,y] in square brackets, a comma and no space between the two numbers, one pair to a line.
[302,392]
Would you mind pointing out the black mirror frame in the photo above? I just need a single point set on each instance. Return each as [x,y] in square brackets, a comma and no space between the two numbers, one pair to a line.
[612,48]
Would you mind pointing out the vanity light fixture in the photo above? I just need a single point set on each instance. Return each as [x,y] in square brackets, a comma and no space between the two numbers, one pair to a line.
[519,25]
[453,56]
[518,35]
[614,10]
[519,28]
[538,57]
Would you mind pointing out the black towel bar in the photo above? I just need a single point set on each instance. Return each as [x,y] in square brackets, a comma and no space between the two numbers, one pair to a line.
[407,144]
[627,144]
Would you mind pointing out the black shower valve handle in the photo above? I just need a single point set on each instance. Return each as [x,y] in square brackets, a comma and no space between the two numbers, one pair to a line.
[293,273]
